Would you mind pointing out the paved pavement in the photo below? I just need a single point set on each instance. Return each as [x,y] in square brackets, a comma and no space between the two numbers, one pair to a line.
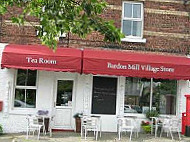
[75,137]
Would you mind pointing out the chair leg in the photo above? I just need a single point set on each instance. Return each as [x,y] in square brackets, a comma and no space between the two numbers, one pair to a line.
[171,134]
[161,132]
[96,135]
[50,131]
[179,135]
[156,129]
[85,133]
[27,133]
[81,131]
[152,128]
[44,130]
[131,134]
[39,133]
[119,135]
[137,134]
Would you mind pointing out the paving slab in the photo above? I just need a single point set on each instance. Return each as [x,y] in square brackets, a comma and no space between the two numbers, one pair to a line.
[75,137]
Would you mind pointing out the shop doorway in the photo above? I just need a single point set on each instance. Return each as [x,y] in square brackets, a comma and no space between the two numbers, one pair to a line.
[64,104]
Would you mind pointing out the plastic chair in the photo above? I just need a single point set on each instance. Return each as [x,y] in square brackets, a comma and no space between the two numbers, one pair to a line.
[89,124]
[33,125]
[171,125]
[127,125]
[155,124]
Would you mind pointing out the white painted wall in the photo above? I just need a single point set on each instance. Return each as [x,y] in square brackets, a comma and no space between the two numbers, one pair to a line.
[14,120]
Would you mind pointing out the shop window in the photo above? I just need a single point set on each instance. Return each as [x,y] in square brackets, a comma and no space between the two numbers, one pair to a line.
[138,96]
[164,96]
[64,92]
[132,20]
[25,89]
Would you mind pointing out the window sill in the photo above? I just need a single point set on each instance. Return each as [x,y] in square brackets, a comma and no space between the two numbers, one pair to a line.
[139,40]
[22,111]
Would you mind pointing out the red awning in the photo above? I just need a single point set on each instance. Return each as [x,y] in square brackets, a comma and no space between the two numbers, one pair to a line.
[132,64]
[37,57]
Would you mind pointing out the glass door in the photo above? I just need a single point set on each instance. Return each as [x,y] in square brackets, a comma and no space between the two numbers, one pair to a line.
[64,95]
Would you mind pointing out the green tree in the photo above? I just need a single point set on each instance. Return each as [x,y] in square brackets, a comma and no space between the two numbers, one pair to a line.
[79,17]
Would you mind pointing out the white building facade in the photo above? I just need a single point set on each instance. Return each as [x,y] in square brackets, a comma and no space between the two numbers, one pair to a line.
[48,88]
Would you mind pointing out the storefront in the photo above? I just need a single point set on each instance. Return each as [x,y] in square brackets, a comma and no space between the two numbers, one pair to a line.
[100,82]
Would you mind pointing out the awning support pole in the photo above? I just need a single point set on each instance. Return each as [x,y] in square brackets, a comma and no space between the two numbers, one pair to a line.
[151,92]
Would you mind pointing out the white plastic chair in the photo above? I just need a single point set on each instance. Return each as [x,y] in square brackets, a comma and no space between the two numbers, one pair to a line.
[127,125]
[33,125]
[155,124]
[89,124]
[171,125]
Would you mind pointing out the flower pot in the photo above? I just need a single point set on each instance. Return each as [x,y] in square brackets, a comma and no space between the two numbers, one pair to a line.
[78,124]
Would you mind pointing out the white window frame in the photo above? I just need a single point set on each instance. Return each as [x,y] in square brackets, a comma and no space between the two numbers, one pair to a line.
[25,88]
[133,38]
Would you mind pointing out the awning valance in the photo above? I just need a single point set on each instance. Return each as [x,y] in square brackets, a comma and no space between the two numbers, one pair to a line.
[37,57]
[117,63]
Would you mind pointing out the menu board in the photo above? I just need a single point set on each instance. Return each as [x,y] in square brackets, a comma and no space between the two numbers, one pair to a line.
[104,95]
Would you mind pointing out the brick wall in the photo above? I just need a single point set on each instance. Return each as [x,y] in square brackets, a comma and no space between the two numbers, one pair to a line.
[166,28]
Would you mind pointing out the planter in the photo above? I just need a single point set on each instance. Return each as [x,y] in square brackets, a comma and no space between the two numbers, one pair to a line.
[78,124]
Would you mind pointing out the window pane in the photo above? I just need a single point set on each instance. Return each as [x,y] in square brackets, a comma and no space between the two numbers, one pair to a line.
[136,11]
[30,98]
[21,77]
[137,28]
[64,92]
[25,101]
[19,100]
[31,80]
[137,95]
[127,10]
[26,78]
[127,27]
[164,96]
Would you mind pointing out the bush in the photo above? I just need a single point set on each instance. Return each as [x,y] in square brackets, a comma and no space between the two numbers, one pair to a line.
[152,113]
[1,130]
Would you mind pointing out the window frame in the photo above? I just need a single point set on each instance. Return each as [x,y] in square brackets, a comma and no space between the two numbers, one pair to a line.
[25,88]
[133,38]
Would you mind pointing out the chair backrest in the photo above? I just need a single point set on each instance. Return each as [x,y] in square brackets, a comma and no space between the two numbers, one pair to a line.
[166,122]
[126,122]
[89,122]
[175,123]
[32,120]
